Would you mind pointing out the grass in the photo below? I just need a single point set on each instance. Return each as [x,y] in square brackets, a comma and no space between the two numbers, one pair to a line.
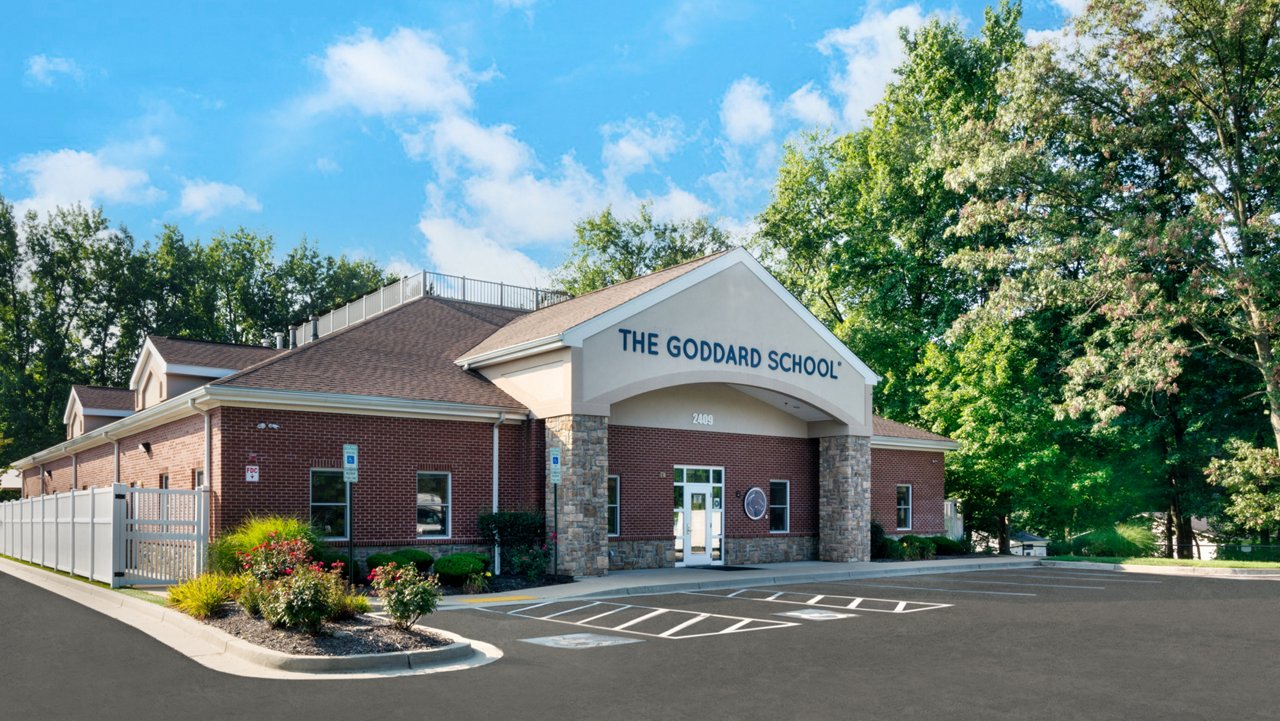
[1139,561]
[56,572]
[147,596]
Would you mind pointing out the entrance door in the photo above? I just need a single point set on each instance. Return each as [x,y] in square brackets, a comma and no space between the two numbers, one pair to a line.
[699,515]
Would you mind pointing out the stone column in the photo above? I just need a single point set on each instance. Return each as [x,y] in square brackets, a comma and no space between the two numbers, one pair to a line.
[584,522]
[844,498]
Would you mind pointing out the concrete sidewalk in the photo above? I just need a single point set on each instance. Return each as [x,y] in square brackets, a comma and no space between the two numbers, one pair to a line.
[674,580]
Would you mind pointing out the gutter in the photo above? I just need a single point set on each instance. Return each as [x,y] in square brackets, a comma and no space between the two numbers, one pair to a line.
[515,352]
[913,444]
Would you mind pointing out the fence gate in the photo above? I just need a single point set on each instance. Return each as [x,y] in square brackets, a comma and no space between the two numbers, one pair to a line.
[164,536]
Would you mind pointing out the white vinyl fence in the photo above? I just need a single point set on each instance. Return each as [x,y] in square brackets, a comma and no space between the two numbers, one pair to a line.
[119,535]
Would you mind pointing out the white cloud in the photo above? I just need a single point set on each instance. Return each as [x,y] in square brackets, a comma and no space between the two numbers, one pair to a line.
[808,106]
[745,112]
[634,145]
[1071,8]
[678,204]
[868,52]
[44,70]
[205,199]
[327,166]
[460,250]
[67,177]
[405,72]
[455,141]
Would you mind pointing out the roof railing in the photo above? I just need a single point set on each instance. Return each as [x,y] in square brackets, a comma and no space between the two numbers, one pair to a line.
[440,285]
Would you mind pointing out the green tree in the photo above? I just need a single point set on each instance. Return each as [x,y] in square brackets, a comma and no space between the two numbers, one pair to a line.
[857,226]
[609,249]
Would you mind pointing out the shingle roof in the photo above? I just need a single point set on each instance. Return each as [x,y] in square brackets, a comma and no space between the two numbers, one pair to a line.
[556,319]
[404,353]
[893,429]
[112,399]
[181,351]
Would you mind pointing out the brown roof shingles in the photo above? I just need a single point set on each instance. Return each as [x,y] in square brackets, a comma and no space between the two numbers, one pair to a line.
[101,397]
[181,351]
[893,429]
[554,320]
[404,353]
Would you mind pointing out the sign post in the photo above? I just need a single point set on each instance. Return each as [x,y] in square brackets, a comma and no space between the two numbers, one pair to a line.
[553,474]
[351,475]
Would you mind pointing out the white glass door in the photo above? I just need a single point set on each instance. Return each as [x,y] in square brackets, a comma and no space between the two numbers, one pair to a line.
[698,515]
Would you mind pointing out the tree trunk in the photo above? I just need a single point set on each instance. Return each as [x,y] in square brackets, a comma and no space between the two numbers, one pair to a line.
[1003,535]
[1168,532]
[1186,537]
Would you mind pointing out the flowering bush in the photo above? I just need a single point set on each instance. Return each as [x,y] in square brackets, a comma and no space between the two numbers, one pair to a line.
[531,561]
[305,597]
[277,557]
[406,595]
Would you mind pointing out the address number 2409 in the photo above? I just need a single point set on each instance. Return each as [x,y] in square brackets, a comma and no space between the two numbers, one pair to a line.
[703,419]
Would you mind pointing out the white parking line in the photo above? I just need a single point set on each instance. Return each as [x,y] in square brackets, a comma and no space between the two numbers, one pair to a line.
[1035,585]
[945,590]
[853,603]
[1068,577]
[682,622]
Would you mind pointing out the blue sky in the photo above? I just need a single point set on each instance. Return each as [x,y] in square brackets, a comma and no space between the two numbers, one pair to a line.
[464,137]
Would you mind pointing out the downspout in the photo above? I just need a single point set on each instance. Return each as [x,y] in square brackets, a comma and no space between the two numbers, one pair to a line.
[497,555]
[207,486]
[75,471]
[42,479]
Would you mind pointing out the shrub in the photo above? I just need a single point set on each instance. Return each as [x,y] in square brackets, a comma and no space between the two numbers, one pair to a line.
[204,594]
[530,561]
[916,548]
[406,595]
[252,596]
[304,599]
[348,605]
[477,582]
[378,560]
[1058,548]
[454,568]
[417,557]
[511,530]
[225,551]
[276,557]
[1119,541]
[877,541]
[944,546]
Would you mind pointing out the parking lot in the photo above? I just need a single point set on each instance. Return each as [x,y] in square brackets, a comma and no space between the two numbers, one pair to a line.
[1033,643]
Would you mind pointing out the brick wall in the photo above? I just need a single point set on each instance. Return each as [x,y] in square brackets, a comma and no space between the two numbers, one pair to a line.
[923,471]
[392,451]
[639,455]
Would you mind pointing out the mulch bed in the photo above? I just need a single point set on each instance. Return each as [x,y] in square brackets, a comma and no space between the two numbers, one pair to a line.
[506,584]
[363,634]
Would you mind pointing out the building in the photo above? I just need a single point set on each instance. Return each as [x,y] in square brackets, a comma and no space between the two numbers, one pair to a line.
[698,415]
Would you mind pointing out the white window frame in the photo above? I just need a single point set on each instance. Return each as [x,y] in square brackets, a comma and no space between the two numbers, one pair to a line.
[448,504]
[787,525]
[311,487]
[899,507]
[617,481]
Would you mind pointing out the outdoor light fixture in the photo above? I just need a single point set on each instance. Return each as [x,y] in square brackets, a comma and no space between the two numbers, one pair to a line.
[268,426]
[145,447]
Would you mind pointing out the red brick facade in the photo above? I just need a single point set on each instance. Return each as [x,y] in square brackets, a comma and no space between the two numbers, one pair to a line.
[643,459]
[923,471]
[393,450]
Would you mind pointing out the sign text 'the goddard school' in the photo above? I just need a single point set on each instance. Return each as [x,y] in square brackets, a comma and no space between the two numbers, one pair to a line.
[747,356]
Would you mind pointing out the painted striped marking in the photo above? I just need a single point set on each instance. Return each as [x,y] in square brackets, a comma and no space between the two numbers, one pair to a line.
[928,588]
[644,620]
[844,603]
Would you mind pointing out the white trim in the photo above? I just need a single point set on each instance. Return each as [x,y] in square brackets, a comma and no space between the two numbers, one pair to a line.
[515,352]
[210,396]
[145,354]
[114,412]
[913,444]
[898,506]
[772,506]
[448,506]
[202,371]
[311,483]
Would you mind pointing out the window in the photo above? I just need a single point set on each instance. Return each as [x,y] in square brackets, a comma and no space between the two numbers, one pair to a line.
[904,508]
[197,478]
[779,506]
[433,504]
[329,503]
[164,480]
[615,521]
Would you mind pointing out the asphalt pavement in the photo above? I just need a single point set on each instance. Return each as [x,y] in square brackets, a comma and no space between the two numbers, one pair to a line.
[1030,643]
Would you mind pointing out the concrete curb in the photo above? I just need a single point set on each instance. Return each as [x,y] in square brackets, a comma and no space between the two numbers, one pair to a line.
[204,643]
[1167,570]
